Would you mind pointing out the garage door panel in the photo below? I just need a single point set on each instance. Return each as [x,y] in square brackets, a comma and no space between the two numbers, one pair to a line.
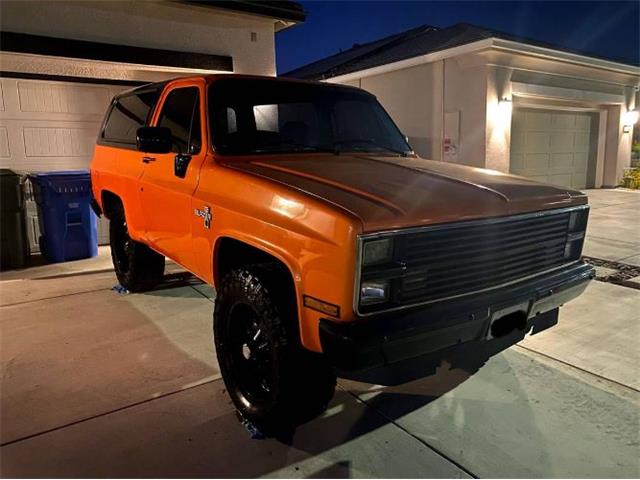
[34,164]
[582,143]
[537,142]
[583,123]
[580,162]
[562,142]
[561,162]
[561,179]
[537,119]
[557,147]
[61,98]
[539,178]
[517,143]
[517,160]
[59,142]
[563,121]
[5,152]
[578,179]
[536,163]
[49,125]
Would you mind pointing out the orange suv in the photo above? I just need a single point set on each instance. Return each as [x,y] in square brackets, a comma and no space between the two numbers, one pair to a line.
[329,242]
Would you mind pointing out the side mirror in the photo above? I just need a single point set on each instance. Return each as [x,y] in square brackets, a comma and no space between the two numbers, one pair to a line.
[154,140]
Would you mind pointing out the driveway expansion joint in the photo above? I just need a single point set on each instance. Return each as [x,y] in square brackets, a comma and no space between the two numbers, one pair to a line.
[415,437]
[109,412]
[581,370]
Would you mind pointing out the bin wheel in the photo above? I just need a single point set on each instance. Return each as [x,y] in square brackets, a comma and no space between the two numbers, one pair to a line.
[273,381]
[137,267]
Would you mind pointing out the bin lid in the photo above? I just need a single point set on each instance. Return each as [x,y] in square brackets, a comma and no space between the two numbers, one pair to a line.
[62,182]
[60,173]
[6,172]
[43,178]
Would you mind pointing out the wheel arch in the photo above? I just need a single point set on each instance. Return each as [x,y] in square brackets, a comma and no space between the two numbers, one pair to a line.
[110,202]
[231,252]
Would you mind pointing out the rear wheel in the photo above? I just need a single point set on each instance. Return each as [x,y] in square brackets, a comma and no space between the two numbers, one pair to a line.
[137,267]
[273,381]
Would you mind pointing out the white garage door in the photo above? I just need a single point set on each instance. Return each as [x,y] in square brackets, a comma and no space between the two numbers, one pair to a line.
[553,146]
[48,125]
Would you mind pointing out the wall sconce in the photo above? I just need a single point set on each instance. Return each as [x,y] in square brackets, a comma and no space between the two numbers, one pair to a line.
[629,119]
[503,113]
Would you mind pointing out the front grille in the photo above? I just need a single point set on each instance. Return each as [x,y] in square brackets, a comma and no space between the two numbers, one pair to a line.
[460,259]
[432,263]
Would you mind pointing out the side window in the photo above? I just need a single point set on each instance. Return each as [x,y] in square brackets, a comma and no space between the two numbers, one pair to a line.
[181,113]
[127,114]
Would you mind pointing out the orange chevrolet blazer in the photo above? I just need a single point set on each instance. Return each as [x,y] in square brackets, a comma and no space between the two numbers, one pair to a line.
[329,242]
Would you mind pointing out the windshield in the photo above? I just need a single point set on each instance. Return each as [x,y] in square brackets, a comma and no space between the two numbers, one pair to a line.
[265,116]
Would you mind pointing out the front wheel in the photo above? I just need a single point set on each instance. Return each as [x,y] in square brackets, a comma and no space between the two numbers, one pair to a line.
[137,267]
[273,381]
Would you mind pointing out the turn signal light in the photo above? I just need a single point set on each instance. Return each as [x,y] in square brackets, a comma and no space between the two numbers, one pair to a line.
[321,306]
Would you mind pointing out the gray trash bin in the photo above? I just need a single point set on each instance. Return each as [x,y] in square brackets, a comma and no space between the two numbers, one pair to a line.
[13,230]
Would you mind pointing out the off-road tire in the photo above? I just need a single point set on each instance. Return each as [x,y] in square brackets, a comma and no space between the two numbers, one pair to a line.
[137,267]
[300,382]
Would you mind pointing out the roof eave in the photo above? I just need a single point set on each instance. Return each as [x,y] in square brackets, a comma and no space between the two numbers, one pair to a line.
[563,56]
[497,44]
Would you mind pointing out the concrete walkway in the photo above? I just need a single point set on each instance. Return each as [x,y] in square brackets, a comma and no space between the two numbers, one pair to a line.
[96,383]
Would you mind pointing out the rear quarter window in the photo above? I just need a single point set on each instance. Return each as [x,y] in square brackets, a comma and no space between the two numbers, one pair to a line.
[127,114]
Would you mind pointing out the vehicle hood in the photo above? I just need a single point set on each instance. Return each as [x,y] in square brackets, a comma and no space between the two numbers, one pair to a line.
[388,193]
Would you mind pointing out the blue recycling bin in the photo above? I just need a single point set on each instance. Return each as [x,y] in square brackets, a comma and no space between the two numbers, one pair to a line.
[68,226]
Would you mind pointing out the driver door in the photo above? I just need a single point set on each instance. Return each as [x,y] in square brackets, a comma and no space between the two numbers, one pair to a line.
[169,180]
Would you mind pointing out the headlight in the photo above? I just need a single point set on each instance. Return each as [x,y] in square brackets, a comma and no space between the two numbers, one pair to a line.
[374,292]
[377,251]
[575,237]
[578,220]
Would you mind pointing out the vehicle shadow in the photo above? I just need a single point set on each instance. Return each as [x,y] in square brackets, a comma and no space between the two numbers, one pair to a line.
[194,431]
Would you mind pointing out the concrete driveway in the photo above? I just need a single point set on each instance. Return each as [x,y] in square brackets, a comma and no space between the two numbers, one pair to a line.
[614,225]
[96,383]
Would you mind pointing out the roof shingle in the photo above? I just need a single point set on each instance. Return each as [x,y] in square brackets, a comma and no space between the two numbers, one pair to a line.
[411,43]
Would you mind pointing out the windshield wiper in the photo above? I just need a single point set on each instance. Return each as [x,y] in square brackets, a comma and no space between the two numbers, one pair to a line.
[273,147]
[402,153]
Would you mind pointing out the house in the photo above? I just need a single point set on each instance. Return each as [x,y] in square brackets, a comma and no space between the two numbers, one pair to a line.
[62,61]
[471,95]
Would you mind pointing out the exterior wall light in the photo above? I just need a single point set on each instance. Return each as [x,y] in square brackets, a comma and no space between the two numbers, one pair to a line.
[629,119]
[502,118]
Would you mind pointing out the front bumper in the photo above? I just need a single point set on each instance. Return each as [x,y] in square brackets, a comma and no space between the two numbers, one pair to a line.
[393,337]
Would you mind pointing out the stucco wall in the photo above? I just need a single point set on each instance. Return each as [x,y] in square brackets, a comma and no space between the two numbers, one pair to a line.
[466,92]
[475,86]
[163,25]
[413,98]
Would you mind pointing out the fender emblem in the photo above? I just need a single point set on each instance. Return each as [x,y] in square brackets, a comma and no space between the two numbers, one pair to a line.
[205,214]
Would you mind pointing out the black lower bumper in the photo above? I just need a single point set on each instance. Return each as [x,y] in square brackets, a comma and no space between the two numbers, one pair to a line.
[400,335]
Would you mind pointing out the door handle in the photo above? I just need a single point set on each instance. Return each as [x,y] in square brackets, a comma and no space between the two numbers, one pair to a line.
[148,159]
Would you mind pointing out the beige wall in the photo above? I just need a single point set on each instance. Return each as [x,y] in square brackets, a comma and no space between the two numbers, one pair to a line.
[465,91]
[163,25]
[413,98]
[617,148]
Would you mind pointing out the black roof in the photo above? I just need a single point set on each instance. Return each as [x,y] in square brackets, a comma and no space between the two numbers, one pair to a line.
[280,9]
[411,43]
